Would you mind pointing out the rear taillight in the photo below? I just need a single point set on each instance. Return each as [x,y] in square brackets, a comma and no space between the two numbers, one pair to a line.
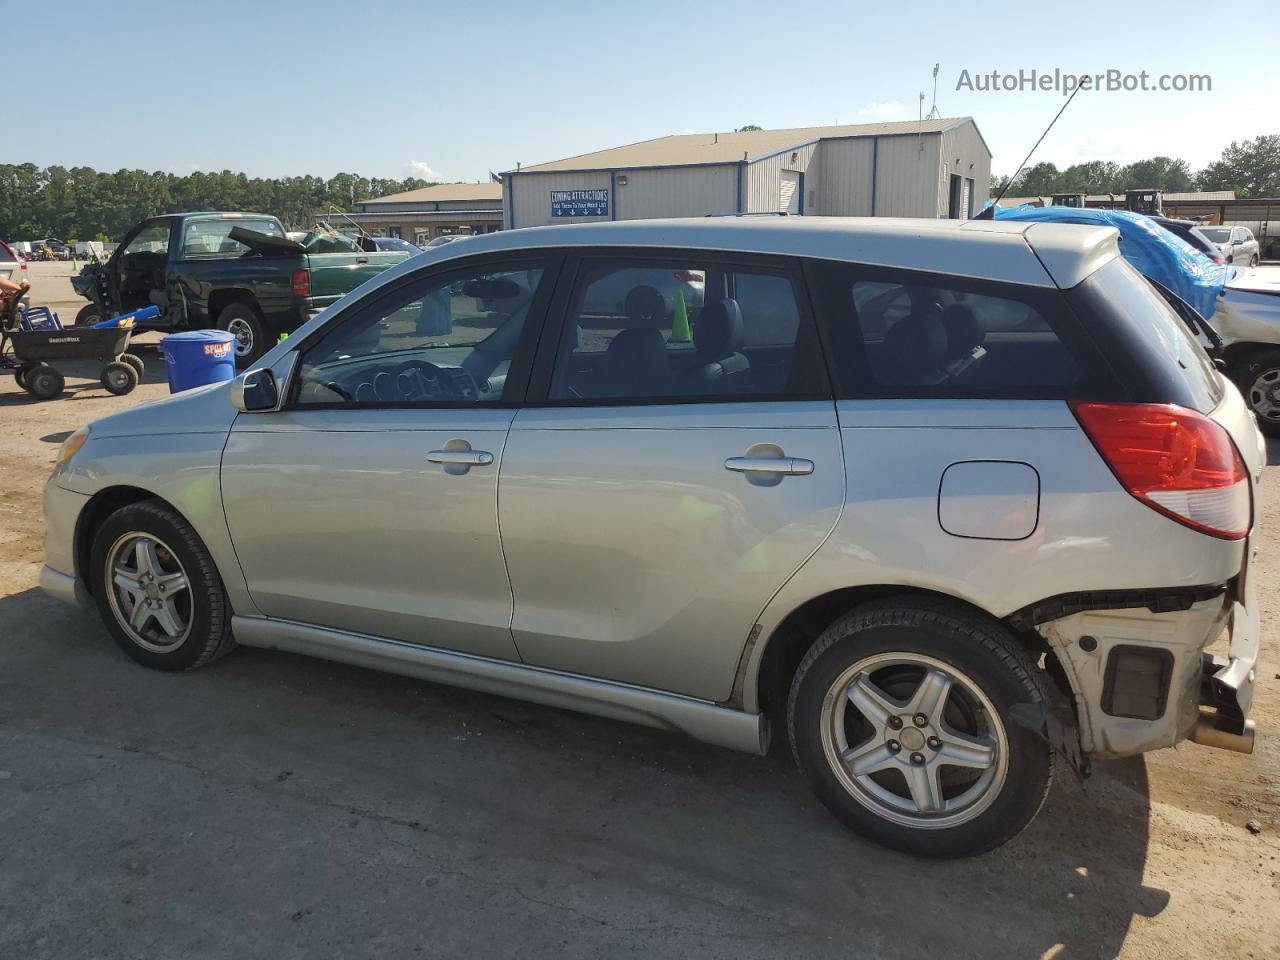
[1174,460]
[301,283]
[688,276]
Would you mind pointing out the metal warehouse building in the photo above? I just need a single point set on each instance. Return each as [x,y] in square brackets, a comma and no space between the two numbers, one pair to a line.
[422,215]
[930,168]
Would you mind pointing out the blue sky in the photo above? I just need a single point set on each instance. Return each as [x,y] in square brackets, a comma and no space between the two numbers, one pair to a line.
[452,90]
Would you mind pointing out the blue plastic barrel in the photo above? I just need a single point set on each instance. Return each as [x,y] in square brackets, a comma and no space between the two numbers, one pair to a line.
[198,357]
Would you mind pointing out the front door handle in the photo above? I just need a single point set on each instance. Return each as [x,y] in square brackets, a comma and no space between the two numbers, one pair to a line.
[780,466]
[465,458]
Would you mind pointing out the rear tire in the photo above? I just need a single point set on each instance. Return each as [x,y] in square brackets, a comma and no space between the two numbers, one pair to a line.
[244,322]
[147,552]
[119,378]
[89,314]
[44,382]
[900,718]
[1258,377]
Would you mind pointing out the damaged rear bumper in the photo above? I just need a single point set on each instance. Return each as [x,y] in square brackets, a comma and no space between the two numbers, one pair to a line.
[1139,671]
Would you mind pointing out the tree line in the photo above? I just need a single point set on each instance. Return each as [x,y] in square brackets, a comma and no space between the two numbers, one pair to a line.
[1251,168]
[81,203]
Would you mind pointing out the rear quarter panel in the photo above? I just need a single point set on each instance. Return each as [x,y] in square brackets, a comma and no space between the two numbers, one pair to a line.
[1089,535]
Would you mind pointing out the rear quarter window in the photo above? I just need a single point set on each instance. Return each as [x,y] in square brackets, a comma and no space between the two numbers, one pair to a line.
[1150,344]
[903,333]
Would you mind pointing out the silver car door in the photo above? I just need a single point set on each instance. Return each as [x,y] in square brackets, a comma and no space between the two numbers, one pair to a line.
[682,464]
[369,503]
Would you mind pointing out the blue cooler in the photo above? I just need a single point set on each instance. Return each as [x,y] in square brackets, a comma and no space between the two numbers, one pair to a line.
[198,357]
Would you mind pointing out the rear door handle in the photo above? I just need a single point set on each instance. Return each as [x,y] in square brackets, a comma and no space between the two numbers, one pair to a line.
[362,259]
[782,466]
[465,458]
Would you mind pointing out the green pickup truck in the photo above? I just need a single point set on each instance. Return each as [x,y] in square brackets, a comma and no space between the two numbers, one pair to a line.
[234,271]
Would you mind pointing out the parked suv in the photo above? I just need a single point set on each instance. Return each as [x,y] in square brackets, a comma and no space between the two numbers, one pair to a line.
[946,506]
[1237,244]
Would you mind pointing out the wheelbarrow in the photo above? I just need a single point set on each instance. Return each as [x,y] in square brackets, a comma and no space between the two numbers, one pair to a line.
[32,341]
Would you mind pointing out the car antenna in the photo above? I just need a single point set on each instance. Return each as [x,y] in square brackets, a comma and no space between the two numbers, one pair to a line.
[990,212]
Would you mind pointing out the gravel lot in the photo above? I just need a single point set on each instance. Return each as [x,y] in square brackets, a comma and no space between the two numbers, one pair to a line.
[275,806]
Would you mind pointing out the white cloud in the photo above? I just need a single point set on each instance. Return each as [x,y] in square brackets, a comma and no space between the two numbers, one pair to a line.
[879,109]
[420,168]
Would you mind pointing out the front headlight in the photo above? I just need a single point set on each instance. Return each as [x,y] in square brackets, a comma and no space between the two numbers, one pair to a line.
[70,447]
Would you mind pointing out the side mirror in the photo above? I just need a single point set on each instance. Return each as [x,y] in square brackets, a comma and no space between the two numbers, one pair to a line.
[255,391]
[263,389]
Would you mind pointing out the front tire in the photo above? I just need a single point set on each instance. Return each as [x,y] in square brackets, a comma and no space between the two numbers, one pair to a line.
[900,718]
[89,314]
[243,322]
[157,589]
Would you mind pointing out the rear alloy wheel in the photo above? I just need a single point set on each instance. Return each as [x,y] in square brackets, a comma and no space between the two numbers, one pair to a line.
[1258,378]
[242,321]
[157,589]
[900,718]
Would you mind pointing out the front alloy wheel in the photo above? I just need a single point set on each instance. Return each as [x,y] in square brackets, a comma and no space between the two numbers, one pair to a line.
[157,589]
[149,592]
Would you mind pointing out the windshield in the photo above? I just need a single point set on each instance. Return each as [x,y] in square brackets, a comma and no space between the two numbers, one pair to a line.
[211,238]
[1217,234]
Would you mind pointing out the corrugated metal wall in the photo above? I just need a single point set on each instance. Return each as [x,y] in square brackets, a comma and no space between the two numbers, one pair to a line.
[911,179]
[905,169]
[677,192]
[838,183]
[965,155]
[532,193]
[762,190]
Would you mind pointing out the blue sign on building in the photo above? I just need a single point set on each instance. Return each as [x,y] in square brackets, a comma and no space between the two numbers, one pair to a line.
[579,203]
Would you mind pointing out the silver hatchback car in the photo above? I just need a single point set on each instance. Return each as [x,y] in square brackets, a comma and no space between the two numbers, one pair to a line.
[944,504]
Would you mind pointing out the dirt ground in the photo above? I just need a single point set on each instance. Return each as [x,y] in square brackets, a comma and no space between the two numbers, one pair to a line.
[276,806]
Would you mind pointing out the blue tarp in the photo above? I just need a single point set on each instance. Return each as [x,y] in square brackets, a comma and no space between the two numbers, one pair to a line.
[1152,250]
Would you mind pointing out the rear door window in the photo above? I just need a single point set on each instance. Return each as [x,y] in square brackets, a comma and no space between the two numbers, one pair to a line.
[684,329]
[901,333]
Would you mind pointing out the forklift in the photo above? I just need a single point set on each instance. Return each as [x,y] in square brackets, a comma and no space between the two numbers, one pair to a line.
[1144,200]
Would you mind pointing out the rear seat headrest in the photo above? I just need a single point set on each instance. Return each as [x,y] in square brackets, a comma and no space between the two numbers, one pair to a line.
[718,332]
[963,333]
[915,350]
[645,307]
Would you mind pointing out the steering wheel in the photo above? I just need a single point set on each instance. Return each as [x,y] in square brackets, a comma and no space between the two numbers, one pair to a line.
[411,387]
